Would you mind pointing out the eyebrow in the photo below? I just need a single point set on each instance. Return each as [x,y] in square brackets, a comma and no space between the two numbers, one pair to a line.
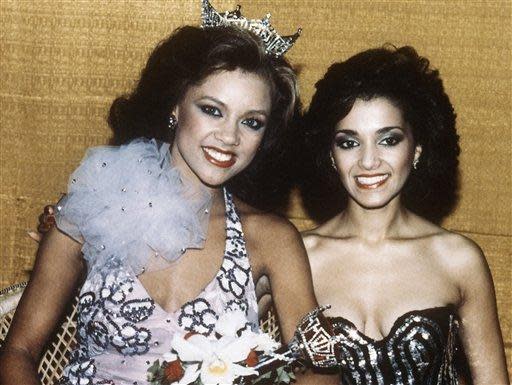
[383,130]
[215,100]
[380,131]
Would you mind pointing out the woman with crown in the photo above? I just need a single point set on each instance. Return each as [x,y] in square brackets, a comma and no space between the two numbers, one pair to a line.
[381,134]
[157,231]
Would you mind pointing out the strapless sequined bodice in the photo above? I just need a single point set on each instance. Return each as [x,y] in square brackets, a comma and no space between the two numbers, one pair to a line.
[419,350]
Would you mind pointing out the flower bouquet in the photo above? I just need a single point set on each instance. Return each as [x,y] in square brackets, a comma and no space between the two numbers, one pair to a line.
[227,357]
[235,354]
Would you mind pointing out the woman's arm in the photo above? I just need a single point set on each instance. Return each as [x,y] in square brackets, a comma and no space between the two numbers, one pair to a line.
[279,247]
[286,265]
[57,273]
[481,333]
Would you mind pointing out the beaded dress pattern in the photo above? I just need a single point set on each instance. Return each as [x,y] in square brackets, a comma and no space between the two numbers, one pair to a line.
[121,330]
[420,349]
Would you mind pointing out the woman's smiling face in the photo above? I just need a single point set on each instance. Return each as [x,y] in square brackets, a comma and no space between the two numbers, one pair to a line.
[374,150]
[221,123]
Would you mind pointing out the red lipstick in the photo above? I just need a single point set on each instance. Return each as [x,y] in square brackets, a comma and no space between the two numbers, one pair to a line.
[218,157]
[371,181]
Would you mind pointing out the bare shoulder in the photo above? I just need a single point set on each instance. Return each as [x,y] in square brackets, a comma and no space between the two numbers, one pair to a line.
[457,254]
[315,239]
[312,239]
[269,234]
[261,222]
[451,246]
[461,256]
[459,248]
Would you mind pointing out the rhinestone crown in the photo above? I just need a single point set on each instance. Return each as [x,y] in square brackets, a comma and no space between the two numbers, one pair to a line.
[275,44]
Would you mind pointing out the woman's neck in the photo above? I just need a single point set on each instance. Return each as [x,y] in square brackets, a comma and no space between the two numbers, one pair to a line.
[218,205]
[375,224]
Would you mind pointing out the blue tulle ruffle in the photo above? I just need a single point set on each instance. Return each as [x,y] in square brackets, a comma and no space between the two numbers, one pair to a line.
[129,203]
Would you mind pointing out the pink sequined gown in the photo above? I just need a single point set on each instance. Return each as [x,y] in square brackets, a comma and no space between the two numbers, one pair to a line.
[121,330]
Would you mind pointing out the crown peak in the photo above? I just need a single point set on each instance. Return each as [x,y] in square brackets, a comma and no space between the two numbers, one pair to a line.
[275,44]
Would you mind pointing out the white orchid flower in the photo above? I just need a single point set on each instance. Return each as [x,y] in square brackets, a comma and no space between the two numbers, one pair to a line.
[215,359]
[265,343]
[230,323]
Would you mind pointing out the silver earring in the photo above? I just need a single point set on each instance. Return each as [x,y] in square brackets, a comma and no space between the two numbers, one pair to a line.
[333,162]
[173,122]
[415,163]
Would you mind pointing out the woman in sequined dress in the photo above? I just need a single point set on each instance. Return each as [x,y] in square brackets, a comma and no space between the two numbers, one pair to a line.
[160,236]
[381,133]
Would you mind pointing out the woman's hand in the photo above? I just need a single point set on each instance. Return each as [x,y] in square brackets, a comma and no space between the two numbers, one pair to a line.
[263,296]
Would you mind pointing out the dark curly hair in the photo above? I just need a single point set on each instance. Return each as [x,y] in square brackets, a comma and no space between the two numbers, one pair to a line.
[187,57]
[407,80]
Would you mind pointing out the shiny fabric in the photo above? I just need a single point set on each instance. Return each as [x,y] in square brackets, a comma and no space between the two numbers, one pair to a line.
[420,349]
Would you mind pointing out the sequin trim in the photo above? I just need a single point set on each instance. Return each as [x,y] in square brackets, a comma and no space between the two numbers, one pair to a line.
[418,351]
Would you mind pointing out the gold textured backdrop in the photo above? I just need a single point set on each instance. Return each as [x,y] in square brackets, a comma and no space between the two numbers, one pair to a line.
[62,63]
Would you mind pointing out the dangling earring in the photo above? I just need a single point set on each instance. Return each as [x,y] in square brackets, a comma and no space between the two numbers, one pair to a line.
[415,163]
[173,122]
[333,162]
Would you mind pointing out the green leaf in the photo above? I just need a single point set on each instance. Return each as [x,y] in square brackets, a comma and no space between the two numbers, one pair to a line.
[155,373]
[284,375]
[155,368]
[266,376]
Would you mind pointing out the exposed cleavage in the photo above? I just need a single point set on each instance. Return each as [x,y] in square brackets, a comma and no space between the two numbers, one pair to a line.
[185,279]
[398,321]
